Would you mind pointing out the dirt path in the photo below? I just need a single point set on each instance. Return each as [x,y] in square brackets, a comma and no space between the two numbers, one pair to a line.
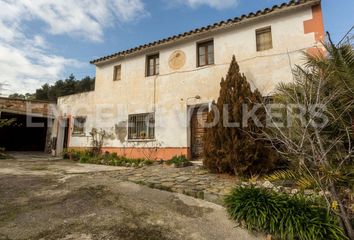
[42,199]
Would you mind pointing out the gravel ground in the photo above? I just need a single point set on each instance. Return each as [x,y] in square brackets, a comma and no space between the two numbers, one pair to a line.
[57,199]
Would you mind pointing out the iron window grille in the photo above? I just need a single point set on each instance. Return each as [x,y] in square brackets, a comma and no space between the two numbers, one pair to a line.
[79,125]
[141,126]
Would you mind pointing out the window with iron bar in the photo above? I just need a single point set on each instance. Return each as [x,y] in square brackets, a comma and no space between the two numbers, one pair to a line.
[141,126]
[79,125]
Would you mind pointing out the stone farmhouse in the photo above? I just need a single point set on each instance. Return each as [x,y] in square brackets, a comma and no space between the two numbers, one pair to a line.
[152,98]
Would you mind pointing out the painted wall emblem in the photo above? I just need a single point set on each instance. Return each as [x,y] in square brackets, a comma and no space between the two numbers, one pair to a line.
[177,59]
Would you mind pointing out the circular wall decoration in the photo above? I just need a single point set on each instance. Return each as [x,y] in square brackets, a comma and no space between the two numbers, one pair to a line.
[177,59]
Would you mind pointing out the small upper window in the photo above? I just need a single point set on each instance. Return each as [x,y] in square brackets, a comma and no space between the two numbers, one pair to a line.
[79,125]
[117,73]
[205,53]
[153,65]
[264,39]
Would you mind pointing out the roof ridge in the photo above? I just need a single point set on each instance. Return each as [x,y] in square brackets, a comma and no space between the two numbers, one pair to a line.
[206,28]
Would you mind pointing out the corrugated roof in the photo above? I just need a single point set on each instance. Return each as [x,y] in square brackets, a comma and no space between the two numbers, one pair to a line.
[218,25]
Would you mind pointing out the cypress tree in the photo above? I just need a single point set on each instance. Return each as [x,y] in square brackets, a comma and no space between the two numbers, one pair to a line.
[237,150]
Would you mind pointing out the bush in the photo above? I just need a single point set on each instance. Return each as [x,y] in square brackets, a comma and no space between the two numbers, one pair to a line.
[231,149]
[179,161]
[284,216]
[111,159]
[4,155]
[84,159]
[72,155]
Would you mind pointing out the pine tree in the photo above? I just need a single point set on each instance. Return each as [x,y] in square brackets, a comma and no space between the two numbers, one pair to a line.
[235,149]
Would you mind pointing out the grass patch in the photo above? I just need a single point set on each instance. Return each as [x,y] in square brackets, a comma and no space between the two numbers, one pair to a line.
[110,159]
[179,161]
[4,155]
[284,216]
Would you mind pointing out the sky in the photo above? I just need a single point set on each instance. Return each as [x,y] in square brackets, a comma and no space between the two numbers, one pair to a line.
[42,41]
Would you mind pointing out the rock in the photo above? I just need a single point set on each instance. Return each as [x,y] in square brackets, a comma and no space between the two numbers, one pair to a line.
[168,180]
[190,192]
[194,180]
[294,191]
[214,198]
[258,182]
[225,191]
[324,193]
[269,237]
[157,185]
[200,194]
[152,182]
[286,190]
[199,188]
[182,179]
[168,184]
[309,192]
[268,184]
[214,190]
[177,190]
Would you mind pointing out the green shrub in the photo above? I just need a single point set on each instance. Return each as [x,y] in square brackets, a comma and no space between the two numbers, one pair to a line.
[284,216]
[179,161]
[84,159]
[148,162]
[4,155]
[73,154]
[111,159]
[66,154]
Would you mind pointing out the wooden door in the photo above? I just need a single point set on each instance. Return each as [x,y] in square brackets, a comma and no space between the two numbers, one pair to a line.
[197,132]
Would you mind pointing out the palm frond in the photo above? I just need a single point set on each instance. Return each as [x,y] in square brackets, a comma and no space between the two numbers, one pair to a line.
[282,175]
[300,179]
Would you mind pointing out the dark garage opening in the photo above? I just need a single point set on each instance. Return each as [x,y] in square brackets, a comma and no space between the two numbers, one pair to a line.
[20,137]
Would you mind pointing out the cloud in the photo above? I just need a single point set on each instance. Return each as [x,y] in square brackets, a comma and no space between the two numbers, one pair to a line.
[25,69]
[26,58]
[84,18]
[217,4]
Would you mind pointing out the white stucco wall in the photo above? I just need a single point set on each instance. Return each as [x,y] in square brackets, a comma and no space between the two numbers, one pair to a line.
[171,90]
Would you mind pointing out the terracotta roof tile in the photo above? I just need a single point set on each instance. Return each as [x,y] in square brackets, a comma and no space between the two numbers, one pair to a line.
[207,28]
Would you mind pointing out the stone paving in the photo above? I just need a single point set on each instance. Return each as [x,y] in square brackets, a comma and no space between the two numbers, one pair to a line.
[193,181]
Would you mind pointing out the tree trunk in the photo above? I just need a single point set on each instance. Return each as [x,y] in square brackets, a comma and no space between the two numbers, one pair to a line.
[343,213]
